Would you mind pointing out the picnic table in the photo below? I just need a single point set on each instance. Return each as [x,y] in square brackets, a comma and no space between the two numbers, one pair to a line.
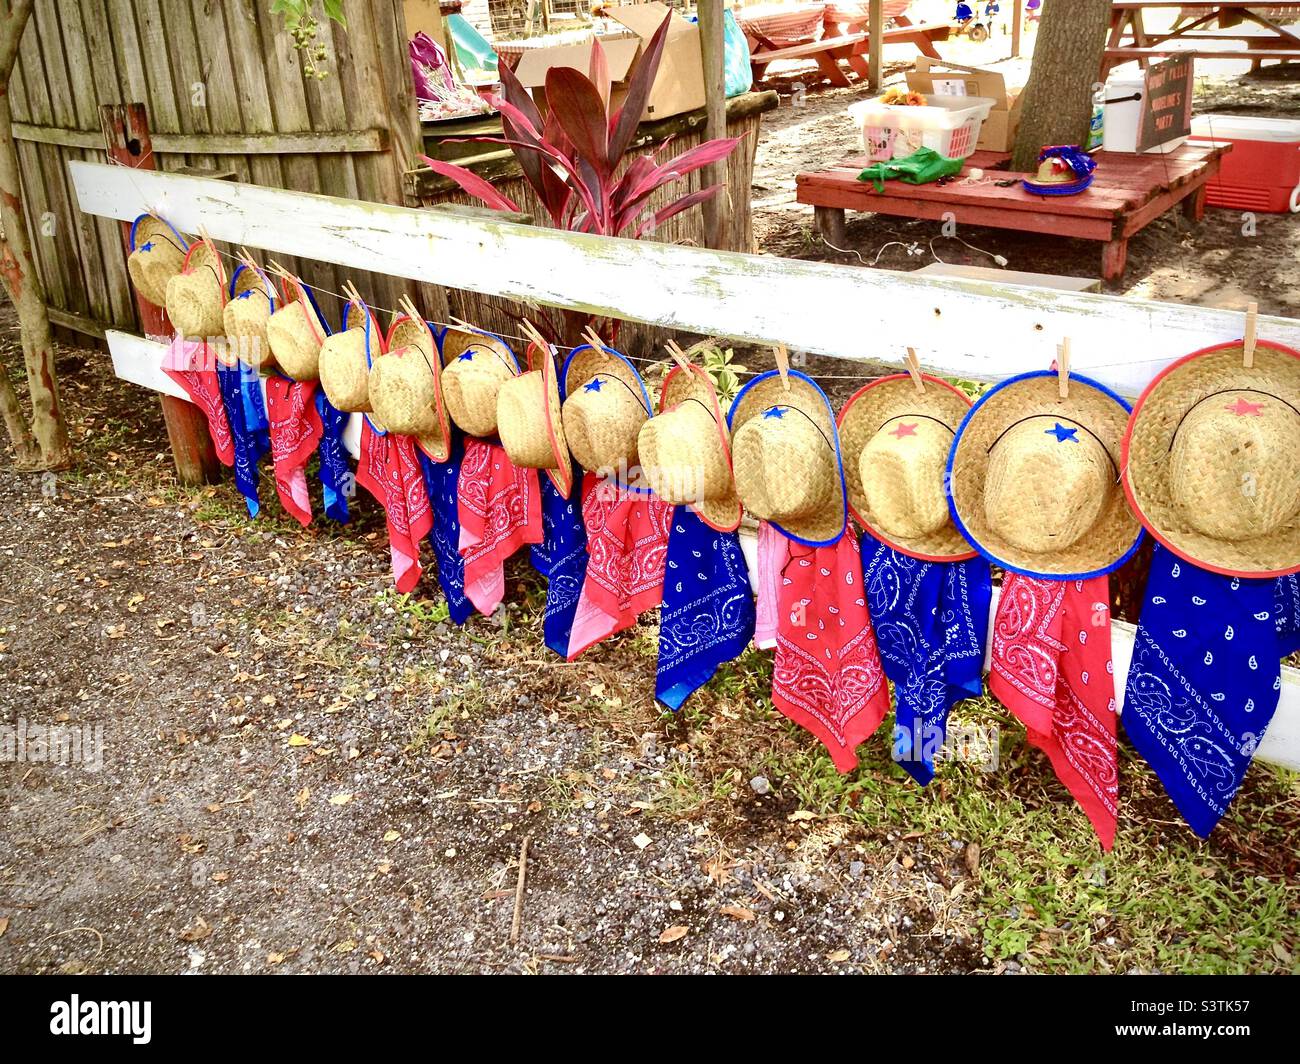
[1128,193]
[1191,38]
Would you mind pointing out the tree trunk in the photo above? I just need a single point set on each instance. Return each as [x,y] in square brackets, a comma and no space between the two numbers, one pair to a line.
[1067,61]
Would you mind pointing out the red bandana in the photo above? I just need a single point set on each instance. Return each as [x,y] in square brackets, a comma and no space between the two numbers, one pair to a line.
[194,367]
[500,509]
[827,675]
[390,470]
[1051,667]
[295,431]
[627,545]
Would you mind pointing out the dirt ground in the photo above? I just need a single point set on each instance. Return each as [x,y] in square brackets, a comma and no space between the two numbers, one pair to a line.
[304,772]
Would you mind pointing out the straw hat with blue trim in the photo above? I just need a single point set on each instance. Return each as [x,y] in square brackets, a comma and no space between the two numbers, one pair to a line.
[896,434]
[1212,459]
[1034,477]
[253,299]
[296,330]
[405,385]
[157,255]
[196,297]
[474,366]
[346,357]
[605,405]
[529,417]
[788,464]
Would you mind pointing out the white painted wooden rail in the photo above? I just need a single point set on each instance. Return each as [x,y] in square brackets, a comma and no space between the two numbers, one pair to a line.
[960,327]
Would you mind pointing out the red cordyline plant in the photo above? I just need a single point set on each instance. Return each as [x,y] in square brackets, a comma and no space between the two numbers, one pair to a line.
[572,157]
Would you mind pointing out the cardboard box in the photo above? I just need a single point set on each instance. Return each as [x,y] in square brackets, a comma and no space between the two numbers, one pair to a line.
[937,78]
[679,85]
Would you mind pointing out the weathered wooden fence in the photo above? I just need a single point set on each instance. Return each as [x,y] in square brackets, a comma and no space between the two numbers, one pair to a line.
[961,327]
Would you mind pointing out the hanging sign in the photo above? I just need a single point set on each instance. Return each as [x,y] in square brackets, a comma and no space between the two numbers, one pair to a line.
[1166,103]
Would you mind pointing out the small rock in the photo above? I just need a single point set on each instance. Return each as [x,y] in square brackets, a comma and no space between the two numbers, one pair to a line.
[760,785]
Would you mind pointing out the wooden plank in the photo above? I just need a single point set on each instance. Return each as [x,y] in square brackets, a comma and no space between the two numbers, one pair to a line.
[876,32]
[1004,276]
[716,220]
[972,329]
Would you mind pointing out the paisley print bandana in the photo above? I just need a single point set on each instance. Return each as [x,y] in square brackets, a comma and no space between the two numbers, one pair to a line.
[707,616]
[193,367]
[390,471]
[627,548]
[248,428]
[335,473]
[500,510]
[773,553]
[931,621]
[561,557]
[827,676]
[1052,668]
[1205,679]
[295,428]
[441,480]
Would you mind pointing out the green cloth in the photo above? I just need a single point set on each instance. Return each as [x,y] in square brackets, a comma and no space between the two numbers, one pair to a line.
[919,168]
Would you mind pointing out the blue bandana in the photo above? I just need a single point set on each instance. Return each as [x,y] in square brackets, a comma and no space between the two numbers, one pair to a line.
[441,480]
[1205,679]
[335,473]
[250,430]
[931,621]
[707,615]
[561,557]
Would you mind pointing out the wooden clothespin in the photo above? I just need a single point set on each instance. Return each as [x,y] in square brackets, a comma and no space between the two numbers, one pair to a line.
[405,305]
[279,270]
[205,236]
[679,356]
[593,337]
[783,365]
[1248,344]
[462,324]
[350,290]
[535,337]
[914,369]
[1063,368]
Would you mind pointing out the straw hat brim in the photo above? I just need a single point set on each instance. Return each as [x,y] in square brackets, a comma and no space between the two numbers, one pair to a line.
[455,342]
[148,226]
[1156,417]
[418,334]
[587,362]
[1115,535]
[870,409]
[722,514]
[767,390]
[562,475]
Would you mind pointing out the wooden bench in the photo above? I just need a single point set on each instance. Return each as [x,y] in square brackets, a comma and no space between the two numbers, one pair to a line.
[830,50]
[1189,38]
[1128,193]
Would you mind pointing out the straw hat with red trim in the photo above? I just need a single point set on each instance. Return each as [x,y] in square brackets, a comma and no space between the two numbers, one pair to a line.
[157,255]
[405,385]
[529,420]
[296,330]
[605,405]
[196,297]
[1212,459]
[475,365]
[346,357]
[896,438]
[685,450]
[253,299]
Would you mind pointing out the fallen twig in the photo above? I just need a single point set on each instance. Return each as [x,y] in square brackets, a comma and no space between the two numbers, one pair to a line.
[519,889]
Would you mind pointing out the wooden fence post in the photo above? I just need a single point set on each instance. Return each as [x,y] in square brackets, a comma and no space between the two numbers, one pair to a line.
[126,136]
[717,213]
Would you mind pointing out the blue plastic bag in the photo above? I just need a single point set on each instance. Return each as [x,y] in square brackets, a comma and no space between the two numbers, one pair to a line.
[737,74]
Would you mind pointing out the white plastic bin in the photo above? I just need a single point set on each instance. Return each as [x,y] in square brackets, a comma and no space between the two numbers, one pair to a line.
[949,125]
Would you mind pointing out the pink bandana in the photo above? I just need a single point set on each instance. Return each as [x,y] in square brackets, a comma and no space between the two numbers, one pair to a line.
[296,429]
[193,366]
[1051,667]
[827,676]
[627,547]
[500,509]
[772,556]
[390,470]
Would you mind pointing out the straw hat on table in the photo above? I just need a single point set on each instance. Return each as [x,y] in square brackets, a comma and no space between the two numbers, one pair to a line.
[406,385]
[685,449]
[529,417]
[196,297]
[1212,459]
[296,330]
[253,299]
[346,357]
[157,255]
[1034,477]
[896,438]
[788,464]
[474,366]
[605,405]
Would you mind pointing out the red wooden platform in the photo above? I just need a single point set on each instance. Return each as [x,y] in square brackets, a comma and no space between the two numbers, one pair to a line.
[1128,193]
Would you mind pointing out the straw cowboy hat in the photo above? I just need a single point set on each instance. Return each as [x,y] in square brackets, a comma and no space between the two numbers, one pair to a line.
[253,298]
[296,330]
[1212,459]
[346,357]
[474,366]
[157,255]
[196,297]
[1034,477]
[896,441]
[605,405]
[685,450]
[789,468]
[405,386]
[530,422]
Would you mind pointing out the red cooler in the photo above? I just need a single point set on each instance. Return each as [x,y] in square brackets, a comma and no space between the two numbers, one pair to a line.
[1262,172]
